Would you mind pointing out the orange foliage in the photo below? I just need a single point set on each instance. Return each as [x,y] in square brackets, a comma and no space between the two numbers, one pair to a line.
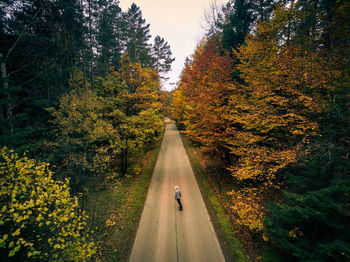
[258,125]
[273,116]
[205,87]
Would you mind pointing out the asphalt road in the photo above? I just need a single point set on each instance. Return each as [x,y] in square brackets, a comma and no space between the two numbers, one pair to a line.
[165,233]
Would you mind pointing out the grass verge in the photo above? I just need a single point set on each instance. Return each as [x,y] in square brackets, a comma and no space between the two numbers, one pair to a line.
[230,245]
[115,213]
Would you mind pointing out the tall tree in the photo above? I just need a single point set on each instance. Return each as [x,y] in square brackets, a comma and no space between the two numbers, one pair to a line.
[237,25]
[43,40]
[137,35]
[108,35]
[205,86]
[319,187]
[161,54]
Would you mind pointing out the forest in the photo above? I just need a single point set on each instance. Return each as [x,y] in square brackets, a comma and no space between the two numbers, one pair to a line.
[264,98]
[80,105]
[266,95]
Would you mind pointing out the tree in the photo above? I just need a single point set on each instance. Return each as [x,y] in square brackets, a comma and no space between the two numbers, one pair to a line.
[42,42]
[39,220]
[274,117]
[237,25]
[166,98]
[87,144]
[161,54]
[108,35]
[137,97]
[178,107]
[316,197]
[205,86]
[137,35]
[318,188]
[213,19]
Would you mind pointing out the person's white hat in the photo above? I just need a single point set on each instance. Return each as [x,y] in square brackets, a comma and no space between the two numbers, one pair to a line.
[176,187]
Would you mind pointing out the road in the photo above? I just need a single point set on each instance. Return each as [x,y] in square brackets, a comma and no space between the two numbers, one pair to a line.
[165,233]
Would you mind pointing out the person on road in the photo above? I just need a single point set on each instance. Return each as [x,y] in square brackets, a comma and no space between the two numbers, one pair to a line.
[178,196]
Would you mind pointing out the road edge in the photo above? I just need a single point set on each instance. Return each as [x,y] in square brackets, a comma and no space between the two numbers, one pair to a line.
[230,246]
[147,171]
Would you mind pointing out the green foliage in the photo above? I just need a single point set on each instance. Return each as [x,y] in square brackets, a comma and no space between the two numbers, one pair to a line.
[39,220]
[39,41]
[108,35]
[238,23]
[162,55]
[85,143]
[312,223]
[98,130]
[132,97]
[115,213]
[137,34]
[42,44]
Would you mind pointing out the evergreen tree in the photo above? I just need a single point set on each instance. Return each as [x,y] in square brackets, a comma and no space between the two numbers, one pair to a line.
[312,223]
[238,21]
[42,42]
[137,35]
[242,18]
[262,10]
[108,35]
[161,54]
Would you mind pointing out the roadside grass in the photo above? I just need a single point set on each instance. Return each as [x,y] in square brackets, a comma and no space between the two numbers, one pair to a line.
[231,246]
[114,213]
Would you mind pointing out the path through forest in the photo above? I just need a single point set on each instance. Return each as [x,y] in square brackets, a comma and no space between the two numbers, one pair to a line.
[165,233]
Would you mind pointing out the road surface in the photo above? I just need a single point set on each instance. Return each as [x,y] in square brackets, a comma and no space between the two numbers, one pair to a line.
[165,233]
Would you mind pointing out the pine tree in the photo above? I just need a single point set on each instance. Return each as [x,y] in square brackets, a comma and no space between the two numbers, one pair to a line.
[108,35]
[42,43]
[312,222]
[137,35]
[238,22]
[161,54]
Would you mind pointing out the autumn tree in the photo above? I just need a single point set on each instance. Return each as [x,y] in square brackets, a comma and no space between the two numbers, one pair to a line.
[205,86]
[137,106]
[178,107]
[277,117]
[166,98]
[86,144]
[318,188]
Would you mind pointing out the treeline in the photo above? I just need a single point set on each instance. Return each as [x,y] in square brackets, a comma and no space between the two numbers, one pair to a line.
[266,94]
[41,43]
[56,52]
[80,89]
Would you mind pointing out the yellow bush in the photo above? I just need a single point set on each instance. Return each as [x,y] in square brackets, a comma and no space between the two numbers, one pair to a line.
[39,220]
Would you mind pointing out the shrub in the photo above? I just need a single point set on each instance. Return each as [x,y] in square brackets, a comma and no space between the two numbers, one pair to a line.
[39,220]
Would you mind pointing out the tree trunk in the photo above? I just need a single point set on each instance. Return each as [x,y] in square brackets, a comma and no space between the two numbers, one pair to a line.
[83,42]
[126,157]
[4,82]
[91,52]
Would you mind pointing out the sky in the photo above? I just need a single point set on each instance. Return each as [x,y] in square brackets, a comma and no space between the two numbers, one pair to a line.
[178,22]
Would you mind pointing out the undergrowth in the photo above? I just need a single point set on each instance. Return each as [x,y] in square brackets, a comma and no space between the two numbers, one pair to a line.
[114,213]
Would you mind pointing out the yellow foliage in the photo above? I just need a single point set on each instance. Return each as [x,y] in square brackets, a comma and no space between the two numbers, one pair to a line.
[38,211]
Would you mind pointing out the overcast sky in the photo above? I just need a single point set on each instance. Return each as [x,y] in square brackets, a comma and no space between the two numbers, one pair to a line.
[178,22]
